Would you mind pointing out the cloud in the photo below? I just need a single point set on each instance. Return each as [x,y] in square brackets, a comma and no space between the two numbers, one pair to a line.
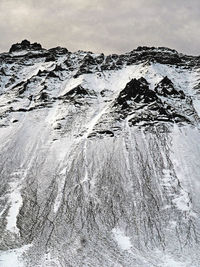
[109,26]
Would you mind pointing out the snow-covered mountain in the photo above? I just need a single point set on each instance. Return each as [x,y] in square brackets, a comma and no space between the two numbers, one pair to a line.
[99,158]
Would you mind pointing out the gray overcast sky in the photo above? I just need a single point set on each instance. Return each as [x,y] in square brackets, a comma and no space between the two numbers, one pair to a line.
[102,25]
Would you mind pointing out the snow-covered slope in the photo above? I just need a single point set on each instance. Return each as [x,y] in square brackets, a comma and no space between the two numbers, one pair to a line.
[100,158]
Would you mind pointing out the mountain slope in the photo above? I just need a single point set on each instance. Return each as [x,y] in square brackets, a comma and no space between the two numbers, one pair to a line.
[99,158]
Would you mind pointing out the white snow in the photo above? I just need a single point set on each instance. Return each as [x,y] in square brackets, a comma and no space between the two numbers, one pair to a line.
[182,202]
[13,257]
[122,240]
[61,183]
[15,204]
[94,121]
[168,261]
[70,84]
[184,155]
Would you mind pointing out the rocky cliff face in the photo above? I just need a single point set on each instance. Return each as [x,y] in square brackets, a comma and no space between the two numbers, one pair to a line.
[99,158]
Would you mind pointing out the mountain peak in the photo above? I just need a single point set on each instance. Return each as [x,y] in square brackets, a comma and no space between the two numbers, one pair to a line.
[25,45]
[160,48]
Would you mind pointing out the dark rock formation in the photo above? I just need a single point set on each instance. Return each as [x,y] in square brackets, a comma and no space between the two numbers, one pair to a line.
[25,45]
[100,58]
[58,50]
[145,106]
[44,96]
[50,57]
[101,134]
[136,90]
[166,88]
[78,91]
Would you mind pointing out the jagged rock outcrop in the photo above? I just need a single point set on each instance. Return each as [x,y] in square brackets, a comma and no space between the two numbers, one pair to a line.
[25,45]
[166,88]
[138,91]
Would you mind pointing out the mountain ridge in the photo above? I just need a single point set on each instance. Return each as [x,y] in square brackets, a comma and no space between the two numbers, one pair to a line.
[99,157]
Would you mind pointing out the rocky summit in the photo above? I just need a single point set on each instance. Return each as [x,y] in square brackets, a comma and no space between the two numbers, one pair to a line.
[99,158]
